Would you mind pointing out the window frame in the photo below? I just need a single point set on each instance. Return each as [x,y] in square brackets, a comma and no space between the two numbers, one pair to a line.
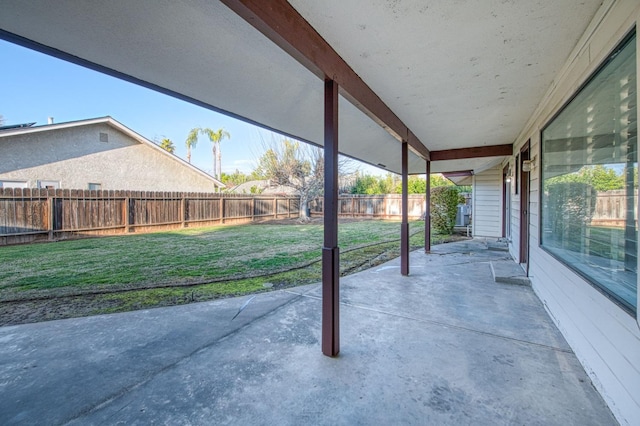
[25,182]
[44,182]
[605,62]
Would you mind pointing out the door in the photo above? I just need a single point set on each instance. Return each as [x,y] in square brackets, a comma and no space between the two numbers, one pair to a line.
[524,209]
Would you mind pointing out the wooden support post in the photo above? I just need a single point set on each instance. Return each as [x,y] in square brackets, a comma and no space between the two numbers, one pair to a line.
[330,250]
[221,209]
[404,228]
[427,212]
[50,217]
[275,208]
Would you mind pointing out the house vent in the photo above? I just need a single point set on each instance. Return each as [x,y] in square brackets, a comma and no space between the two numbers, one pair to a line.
[104,137]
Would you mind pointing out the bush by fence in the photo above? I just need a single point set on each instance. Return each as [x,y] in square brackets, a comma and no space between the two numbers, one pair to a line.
[28,215]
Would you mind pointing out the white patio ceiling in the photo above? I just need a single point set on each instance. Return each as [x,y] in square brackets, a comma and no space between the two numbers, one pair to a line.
[458,74]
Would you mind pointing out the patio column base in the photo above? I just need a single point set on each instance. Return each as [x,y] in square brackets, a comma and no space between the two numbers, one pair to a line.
[330,301]
[404,248]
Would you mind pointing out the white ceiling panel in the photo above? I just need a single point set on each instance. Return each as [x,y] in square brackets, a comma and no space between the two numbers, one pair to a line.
[458,73]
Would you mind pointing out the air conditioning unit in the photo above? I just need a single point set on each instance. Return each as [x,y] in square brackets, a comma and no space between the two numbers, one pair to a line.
[463,215]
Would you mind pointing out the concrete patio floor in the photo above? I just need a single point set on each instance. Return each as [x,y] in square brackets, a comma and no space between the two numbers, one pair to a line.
[445,346]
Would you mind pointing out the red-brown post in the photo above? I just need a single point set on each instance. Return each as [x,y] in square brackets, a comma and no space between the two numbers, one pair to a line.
[330,250]
[221,209]
[427,212]
[404,227]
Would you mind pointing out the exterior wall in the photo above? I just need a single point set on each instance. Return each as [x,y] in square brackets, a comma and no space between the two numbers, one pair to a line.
[75,157]
[487,203]
[604,337]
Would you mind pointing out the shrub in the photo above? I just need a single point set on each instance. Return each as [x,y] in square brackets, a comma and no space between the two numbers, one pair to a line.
[444,207]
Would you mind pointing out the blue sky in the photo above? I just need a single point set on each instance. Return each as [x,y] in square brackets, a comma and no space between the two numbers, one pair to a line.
[37,86]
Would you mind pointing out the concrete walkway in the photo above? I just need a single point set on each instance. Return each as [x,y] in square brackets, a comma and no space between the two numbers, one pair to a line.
[445,346]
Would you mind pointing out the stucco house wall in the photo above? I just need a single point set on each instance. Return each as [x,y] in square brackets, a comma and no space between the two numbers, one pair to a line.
[605,338]
[74,155]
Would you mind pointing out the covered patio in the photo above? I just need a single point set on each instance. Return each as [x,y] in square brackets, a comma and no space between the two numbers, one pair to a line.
[447,345]
[462,88]
[405,86]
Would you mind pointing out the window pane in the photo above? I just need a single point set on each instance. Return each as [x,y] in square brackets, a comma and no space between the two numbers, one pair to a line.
[590,181]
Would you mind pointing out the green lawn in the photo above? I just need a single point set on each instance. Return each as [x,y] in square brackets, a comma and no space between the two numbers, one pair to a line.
[176,257]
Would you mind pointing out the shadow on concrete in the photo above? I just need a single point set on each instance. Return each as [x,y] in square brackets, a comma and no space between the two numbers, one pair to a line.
[446,345]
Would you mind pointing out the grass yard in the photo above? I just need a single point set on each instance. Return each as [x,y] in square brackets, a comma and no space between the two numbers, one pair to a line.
[113,274]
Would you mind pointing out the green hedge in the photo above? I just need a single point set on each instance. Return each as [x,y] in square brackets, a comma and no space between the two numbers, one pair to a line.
[444,207]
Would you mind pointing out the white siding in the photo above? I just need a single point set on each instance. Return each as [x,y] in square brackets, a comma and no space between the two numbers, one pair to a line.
[487,203]
[605,338]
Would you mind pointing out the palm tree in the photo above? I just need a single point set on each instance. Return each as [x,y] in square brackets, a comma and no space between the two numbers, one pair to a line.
[167,145]
[216,137]
[192,141]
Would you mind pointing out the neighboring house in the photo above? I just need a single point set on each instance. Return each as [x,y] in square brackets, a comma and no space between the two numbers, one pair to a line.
[98,153]
[263,187]
[250,187]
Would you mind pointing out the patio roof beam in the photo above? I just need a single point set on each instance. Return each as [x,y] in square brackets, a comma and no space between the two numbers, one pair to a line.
[459,173]
[282,24]
[473,152]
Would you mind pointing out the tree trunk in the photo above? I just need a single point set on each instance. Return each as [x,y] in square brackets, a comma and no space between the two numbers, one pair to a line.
[218,162]
[214,172]
[304,209]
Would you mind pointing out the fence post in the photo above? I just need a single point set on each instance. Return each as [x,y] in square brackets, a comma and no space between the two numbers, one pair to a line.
[288,208]
[275,208]
[50,218]
[221,209]
[183,211]
[126,214]
[253,208]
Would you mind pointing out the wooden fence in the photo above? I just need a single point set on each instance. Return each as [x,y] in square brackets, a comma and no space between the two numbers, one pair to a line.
[387,206]
[28,215]
[611,208]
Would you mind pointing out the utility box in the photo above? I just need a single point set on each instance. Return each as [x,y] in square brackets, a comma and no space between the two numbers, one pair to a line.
[463,215]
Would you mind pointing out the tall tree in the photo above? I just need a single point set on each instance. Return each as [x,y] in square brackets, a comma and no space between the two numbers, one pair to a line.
[216,137]
[192,141]
[287,163]
[167,145]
